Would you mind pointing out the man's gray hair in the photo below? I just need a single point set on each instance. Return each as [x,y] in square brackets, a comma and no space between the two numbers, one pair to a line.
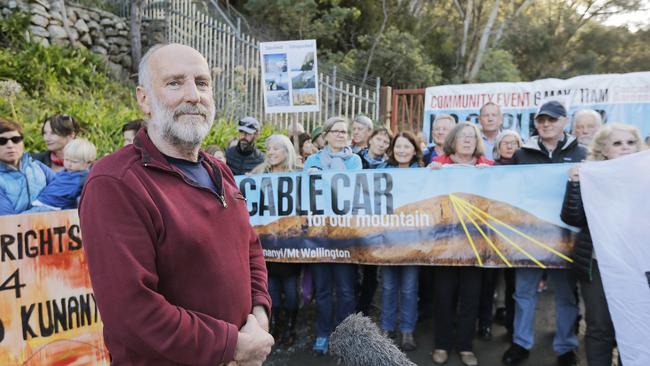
[363,120]
[582,113]
[144,74]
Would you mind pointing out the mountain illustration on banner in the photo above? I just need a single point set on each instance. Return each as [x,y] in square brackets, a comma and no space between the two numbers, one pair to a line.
[454,229]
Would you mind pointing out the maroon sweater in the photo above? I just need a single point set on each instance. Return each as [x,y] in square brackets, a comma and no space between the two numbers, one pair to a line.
[175,268]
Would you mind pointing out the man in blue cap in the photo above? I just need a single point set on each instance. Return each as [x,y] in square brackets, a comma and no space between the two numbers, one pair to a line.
[552,145]
[244,156]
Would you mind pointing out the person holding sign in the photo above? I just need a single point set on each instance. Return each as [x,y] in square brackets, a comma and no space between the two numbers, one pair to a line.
[552,145]
[403,152]
[462,146]
[372,157]
[283,277]
[336,155]
[21,177]
[177,270]
[610,142]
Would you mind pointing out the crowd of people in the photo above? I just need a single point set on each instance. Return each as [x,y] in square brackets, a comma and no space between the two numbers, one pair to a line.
[341,289]
[462,298]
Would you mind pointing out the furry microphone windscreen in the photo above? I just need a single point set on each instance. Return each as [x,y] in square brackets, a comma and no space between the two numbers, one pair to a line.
[358,342]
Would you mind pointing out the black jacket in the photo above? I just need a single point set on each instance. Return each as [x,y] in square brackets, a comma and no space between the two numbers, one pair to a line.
[534,152]
[243,162]
[43,157]
[573,213]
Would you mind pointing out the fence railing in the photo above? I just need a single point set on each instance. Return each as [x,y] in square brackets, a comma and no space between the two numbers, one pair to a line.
[408,106]
[234,59]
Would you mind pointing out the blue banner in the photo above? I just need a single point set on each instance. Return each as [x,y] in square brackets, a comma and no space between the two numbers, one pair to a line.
[501,216]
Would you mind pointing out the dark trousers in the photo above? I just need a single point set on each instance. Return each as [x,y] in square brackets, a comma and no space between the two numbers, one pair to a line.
[486,303]
[451,283]
[509,276]
[599,340]
[287,285]
[425,292]
[368,288]
[328,276]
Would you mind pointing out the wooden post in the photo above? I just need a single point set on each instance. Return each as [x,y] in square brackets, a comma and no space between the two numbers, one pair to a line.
[385,106]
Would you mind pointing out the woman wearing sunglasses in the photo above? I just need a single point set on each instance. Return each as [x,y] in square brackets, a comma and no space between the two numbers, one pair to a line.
[21,177]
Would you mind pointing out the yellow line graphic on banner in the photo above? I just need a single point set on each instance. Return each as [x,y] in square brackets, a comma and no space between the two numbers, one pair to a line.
[478,227]
[469,237]
[545,246]
[465,209]
[506,238]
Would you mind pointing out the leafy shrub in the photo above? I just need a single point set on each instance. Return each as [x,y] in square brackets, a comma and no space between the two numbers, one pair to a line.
[66,80]
[76,82]
[224,131]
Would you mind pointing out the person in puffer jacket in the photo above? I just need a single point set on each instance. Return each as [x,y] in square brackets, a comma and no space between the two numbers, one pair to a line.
[21,177]
[610,142]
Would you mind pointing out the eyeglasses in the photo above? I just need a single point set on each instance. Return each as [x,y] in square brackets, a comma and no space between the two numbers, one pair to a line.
[466,136]
[510,144]
[338,132]
[543,120]
[14,139]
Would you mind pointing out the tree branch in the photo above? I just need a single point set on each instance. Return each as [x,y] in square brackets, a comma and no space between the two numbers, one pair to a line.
[478,59]
[376,41]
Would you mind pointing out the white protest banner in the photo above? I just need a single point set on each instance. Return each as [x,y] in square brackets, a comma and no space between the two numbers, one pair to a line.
[290,74]
[617,97]
[615,196]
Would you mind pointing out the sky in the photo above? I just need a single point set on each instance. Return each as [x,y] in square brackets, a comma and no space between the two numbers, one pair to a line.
[635,20]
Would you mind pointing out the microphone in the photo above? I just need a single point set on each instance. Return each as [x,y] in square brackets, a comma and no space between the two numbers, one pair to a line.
[357,341]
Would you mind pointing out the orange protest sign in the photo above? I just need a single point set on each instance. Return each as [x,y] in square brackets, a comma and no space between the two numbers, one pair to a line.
[48,314]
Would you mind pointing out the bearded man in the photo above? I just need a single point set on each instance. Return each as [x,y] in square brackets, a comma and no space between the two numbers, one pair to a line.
[244,157]
[177,271]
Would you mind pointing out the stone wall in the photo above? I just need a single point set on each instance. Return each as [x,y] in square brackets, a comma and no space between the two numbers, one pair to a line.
[101,32]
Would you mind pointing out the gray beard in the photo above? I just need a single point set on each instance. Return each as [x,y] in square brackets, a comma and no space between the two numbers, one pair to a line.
[189,133]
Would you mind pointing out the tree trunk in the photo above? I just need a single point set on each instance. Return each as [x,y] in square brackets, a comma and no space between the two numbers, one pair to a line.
[482,45]
[376,41]
[507,21]
[466,16]
[135,23]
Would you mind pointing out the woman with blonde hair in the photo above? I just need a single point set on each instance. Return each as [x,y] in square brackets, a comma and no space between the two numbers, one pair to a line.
[280,156]
[612,141]
[283,277]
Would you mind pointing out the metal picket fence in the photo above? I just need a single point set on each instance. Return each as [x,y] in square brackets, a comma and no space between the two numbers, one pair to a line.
[235,61]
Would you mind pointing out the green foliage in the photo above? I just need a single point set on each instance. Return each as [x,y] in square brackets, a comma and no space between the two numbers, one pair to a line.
[13,30]
[63,80]
[225,131]
[555,40]
[303,19]
[399,60]
[421,43]
[498,65]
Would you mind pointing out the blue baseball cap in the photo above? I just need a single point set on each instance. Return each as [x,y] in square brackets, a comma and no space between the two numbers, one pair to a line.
[553,109]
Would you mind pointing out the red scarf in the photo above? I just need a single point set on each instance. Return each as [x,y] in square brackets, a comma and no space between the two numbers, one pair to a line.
[55,160]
